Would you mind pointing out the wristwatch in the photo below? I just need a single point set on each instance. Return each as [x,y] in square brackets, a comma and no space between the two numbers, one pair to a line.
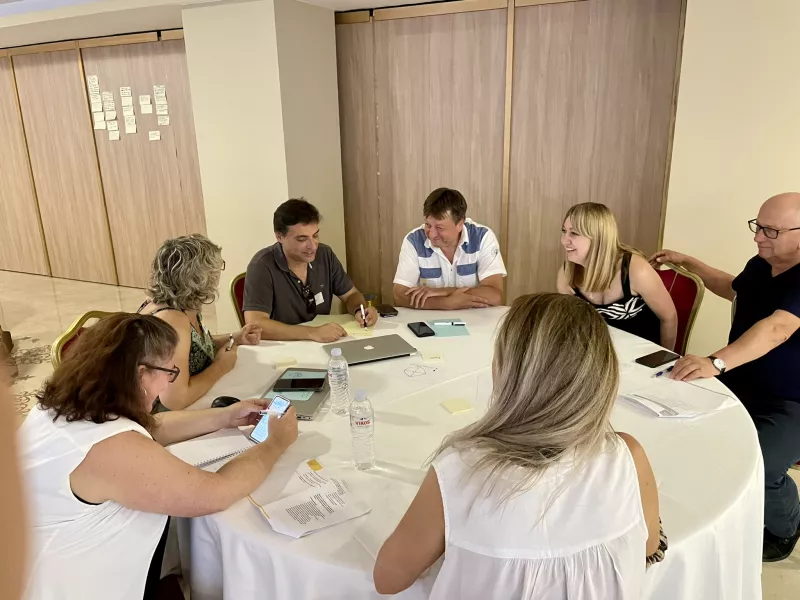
[718,363]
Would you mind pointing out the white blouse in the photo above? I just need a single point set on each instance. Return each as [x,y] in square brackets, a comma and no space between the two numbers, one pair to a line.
[80,551]
[576,536]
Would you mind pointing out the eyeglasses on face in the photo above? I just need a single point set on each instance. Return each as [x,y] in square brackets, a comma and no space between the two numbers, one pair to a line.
[769,232]
[174,371]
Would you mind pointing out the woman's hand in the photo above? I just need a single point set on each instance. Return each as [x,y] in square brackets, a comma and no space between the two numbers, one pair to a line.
[249,335]
[244,413]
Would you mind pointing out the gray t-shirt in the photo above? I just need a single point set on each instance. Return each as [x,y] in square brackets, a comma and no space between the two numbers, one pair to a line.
[272,288]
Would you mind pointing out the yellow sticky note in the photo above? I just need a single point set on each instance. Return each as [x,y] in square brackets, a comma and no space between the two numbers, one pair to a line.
[456,406]
[285,361]
[432,356]
[314,465]
[356,330]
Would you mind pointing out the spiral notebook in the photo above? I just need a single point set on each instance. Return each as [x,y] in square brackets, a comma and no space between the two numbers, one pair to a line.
[210,452]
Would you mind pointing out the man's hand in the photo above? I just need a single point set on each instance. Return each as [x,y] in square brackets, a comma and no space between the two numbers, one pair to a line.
[692,367]
[418,295]
[372,316]
[462,299]
[249,335]
[668,256]
[330,332]
[244,413]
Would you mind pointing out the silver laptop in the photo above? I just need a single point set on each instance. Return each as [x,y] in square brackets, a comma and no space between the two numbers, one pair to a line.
[307,409]
[372,349]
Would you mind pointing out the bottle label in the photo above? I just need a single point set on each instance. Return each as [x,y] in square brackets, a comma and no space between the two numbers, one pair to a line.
[362,421]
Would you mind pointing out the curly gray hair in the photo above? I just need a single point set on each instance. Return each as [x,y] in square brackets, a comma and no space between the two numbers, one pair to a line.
[185,272]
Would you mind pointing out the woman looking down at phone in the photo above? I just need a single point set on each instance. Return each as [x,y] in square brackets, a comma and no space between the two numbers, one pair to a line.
[539,498]
[100,481]
[616,279]
[184,278]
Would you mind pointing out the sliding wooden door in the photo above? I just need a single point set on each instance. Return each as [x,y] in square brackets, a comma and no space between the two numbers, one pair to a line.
[439,95]
[21,241]
[152,187]
[591,115]
[60,142]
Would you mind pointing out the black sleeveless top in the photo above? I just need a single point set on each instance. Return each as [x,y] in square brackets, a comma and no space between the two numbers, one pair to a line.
[629,313]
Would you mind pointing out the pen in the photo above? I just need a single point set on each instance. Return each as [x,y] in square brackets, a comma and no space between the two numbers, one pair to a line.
[454,323]
[230,343]
[363,315]
[664,372]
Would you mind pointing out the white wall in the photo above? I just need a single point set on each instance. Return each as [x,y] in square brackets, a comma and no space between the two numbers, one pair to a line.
[737,136]
[307,63]
[233,73]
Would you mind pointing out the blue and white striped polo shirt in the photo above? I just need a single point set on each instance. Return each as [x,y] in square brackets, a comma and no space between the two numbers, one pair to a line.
[477,257]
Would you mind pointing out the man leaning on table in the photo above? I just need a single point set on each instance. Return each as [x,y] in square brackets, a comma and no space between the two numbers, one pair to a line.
[761,363]
[450,262]
[295,279]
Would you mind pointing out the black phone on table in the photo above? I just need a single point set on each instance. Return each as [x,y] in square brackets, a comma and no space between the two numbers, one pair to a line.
[278,406]
[421,329]
[656,359]
[386,310]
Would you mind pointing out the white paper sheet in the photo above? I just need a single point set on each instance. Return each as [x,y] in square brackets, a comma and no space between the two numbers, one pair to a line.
[154,136]
[163,120]
[95,98]
[125,92]
[161,109]
[111,115]
[112,126]
[113,135]
[97,107]
[127,101]
[145,99]
[130,129]
[127,111]
[100,124]
[92,80]
[671,399]
[147,109]
[98,117]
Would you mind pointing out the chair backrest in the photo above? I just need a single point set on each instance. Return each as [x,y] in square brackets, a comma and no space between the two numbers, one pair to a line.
[60,347]
[686,290]
[237,296]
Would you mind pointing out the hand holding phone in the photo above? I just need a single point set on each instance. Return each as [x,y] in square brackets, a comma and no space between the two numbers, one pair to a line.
[277,409]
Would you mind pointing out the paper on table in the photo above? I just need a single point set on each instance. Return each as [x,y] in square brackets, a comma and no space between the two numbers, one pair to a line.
[159,90]
[162,109]
[302,374]
[100,124]
[97,107]
[111,115]
[109,105]
[107,97]
[113,126]
[147,109]
[154,136]
[95,98]
[98,116]
[130,129]
[94,88]
[456,406]
[91,79]
[667,398]
[127,111]
[434,356]
[113,135]
[125,92]
[314,509]
[127,101]
[145,99]
[163,120]
[161,99]
[356,330]
[301,396]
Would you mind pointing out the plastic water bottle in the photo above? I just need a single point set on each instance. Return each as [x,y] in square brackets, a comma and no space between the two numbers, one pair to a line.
[362,428]
[338,378]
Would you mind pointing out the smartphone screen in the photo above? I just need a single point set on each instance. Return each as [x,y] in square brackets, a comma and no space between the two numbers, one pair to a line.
[656,359]
[261,431]
[421,329]
[286,385]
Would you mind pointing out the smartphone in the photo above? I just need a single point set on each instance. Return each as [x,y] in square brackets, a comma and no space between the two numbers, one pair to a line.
[279,406]
[386,310]
[297,384]
[421,329]
[656,359]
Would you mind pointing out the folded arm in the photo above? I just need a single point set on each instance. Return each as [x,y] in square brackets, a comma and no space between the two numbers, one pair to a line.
[488,293]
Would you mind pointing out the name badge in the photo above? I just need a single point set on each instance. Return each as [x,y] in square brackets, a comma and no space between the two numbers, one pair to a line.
[319,299]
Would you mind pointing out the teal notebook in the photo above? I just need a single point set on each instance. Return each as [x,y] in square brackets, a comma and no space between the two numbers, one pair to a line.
[443,328]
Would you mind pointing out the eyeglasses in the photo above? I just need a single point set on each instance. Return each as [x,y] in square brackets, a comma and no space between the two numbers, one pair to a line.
[769,232]
[174,371]
[223,265]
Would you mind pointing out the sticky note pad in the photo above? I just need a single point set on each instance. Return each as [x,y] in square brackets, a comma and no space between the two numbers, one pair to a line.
[285,361]
[456,406]
[432,356]
[356,330]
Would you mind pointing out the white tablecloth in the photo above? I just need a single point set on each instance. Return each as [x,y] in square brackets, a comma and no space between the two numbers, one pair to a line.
[709,474]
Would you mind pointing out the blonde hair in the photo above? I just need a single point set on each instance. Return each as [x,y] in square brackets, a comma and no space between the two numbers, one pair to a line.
[596,222]
[555,381]
[185,272]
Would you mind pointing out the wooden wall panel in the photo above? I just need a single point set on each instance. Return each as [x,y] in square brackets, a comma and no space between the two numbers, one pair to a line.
[356,72]
[440,96]
[21,241]
[591,109]
[59,134]
[152,188]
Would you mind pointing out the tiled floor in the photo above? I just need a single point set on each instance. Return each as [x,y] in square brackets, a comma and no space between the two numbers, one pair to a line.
[36,310]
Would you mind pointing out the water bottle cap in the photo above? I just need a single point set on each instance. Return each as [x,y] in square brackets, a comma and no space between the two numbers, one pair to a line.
[336,352]
[361,395]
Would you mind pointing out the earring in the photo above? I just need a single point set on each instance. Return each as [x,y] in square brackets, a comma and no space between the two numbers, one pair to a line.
[145,392]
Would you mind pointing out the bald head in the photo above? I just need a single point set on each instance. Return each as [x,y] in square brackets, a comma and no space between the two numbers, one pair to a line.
[781,212]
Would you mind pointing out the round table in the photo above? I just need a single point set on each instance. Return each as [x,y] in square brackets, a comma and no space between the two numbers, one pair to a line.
[708,470]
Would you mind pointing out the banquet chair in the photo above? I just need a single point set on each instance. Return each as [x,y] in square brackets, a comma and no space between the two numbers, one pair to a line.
[71,335]
[686,290]
[237,296]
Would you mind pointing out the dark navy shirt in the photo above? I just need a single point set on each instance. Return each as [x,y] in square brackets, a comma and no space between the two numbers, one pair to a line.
[776,375]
